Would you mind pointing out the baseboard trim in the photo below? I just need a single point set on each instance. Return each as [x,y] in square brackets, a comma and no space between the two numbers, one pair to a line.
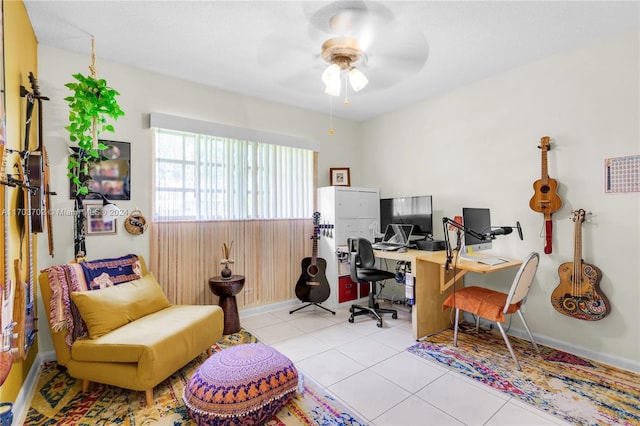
[614,361]
[262,309]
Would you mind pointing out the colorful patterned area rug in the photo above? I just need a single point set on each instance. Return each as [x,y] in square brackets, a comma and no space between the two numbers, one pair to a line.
[59,400]
[574,389]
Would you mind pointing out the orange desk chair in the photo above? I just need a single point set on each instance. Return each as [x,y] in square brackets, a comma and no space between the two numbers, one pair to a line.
[494,305]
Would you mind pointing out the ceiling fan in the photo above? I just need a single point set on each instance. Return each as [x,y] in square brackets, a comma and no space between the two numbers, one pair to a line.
[342,53]
[364,43]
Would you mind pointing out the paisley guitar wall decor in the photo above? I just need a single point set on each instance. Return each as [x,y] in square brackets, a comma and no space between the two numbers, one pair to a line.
[578,295]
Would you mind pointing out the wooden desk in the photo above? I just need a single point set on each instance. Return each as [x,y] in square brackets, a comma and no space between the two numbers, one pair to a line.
[432,284]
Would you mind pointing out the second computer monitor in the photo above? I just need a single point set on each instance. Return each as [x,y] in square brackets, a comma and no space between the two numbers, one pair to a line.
[416,211]
[478,220]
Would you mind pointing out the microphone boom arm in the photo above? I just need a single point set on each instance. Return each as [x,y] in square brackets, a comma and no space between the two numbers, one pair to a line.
[446,221]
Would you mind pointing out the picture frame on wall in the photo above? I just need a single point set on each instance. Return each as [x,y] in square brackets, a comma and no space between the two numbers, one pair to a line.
[94,225]
[340,176]
[112,175]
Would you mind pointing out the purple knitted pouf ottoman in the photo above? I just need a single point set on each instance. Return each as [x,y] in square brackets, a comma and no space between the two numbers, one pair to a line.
[241,385]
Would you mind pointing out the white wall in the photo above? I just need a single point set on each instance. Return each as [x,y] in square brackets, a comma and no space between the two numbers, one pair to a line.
[477,147]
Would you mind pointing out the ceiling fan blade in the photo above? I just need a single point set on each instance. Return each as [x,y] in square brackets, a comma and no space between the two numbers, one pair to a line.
[348,17]
[406,64]
[384,78]
[307,81]
[357,20]
[402,49]
[282,49]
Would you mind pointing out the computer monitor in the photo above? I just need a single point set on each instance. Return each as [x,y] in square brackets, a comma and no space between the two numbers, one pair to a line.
[478,220]
[416,211]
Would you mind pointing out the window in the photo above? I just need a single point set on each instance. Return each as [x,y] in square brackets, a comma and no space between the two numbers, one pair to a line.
[202,177]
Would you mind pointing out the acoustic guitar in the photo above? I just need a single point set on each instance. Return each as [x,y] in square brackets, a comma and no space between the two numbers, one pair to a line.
[545,198]
[578,294]
[312,286]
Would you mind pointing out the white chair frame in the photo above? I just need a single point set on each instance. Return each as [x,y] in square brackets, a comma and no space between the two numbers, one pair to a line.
[518,292]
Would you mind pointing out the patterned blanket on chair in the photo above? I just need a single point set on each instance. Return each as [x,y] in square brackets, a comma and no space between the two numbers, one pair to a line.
[85,276]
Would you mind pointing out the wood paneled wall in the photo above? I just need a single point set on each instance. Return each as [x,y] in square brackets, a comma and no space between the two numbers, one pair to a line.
[184,255]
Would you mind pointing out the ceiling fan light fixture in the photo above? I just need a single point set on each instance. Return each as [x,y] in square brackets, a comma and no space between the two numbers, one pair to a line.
[341,53]
[357,79]
[331,79]
[331,74]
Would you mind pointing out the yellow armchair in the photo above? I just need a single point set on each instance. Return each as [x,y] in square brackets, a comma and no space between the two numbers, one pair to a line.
[136,337]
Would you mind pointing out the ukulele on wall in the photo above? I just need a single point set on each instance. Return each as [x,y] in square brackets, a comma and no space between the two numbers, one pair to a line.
[578,294]
[545,198]
[312,286]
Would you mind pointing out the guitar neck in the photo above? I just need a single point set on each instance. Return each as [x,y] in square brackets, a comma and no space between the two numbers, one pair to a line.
[38,97]
[544,168]
[314,249]
[30,281]
[39,148]
[5,222]
[29,114]
[577,256]
[315,238]
[26,194]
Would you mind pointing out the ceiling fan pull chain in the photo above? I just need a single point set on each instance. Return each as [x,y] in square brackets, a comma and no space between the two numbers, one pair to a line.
[331,131]
[346,89]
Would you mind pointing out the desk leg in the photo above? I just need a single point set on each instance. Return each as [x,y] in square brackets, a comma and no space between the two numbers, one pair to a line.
[427,314]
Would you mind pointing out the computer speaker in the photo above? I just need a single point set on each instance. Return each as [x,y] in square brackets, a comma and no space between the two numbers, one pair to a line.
[430,245]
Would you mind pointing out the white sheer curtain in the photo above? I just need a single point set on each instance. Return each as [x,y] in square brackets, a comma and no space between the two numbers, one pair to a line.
[202,177]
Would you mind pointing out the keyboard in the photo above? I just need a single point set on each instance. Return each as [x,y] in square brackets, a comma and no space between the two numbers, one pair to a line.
[492,260]
[387,246]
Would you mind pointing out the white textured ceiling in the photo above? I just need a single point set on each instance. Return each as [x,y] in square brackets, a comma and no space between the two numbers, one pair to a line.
[271,49]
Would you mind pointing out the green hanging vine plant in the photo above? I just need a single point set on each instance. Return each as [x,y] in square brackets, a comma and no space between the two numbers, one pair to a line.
[93,102]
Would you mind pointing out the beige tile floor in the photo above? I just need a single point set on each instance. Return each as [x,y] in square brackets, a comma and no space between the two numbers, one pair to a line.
[369,369]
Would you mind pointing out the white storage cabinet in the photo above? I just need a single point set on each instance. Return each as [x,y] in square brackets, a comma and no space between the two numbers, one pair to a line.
[353,212]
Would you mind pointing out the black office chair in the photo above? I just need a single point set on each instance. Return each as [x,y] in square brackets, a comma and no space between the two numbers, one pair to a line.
[363,270]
